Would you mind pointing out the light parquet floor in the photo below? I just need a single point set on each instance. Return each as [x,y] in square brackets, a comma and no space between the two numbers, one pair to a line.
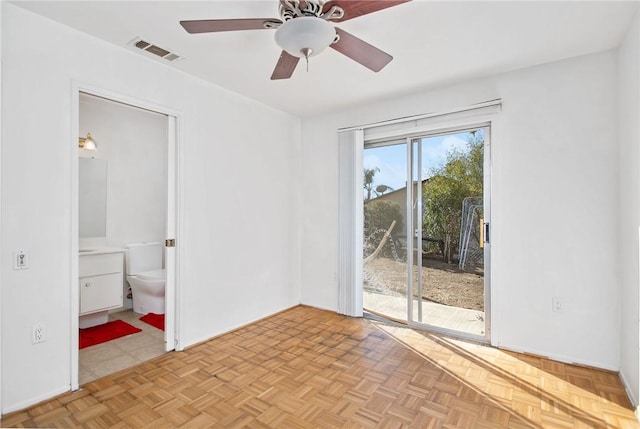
[308,368]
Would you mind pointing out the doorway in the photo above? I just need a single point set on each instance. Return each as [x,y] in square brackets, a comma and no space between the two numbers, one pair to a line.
[137,150]
[426,247]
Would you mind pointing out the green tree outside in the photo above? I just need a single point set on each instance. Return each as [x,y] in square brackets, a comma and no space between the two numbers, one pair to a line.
[369,174]
[461,176]
[378,216]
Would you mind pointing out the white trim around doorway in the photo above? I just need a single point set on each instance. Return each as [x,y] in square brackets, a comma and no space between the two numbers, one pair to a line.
[176,157]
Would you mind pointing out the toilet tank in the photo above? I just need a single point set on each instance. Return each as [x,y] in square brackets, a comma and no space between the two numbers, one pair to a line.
[141,257]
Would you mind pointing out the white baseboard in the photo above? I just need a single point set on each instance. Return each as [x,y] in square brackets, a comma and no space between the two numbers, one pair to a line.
[560,358]
[630,394]
[36,400]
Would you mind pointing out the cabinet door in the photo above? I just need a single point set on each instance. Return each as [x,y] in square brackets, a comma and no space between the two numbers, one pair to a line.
[100,292]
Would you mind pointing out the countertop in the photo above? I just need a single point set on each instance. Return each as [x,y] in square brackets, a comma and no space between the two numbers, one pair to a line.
[100,251]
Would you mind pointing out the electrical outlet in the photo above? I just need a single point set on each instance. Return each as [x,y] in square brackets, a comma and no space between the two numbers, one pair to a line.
[20,260]
[38,333]
[557,305]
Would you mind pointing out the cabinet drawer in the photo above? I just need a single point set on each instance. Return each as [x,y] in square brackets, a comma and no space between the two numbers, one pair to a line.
[92,265]
[100,293]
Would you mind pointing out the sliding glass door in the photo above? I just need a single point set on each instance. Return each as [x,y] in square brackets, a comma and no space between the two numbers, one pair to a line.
[385,230]
[426,245]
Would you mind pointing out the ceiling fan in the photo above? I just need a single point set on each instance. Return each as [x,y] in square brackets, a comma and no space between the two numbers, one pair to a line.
[305,29]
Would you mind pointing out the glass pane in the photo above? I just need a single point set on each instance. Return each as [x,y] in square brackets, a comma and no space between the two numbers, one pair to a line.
[450,256]
[385,203]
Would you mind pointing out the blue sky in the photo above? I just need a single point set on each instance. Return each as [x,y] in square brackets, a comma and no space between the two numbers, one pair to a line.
[392,160]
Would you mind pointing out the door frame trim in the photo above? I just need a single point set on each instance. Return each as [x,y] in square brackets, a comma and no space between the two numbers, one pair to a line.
[78,87]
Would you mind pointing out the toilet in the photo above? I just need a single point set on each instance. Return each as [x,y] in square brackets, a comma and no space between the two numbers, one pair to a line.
[146,277]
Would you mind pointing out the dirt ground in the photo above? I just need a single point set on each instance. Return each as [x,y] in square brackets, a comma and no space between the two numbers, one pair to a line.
[442,283]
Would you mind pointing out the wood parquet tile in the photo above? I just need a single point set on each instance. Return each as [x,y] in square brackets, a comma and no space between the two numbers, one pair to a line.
[308,368]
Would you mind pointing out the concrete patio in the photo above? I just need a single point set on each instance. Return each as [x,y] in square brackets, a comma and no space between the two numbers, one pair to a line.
[442,316]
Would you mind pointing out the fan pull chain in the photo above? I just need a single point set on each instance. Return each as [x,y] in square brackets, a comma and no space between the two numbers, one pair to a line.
[306,52]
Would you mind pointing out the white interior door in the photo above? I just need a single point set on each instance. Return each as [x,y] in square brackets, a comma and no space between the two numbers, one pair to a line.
[170,249]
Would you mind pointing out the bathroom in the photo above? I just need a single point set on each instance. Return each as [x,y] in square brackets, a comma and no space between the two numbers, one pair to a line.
[122,201]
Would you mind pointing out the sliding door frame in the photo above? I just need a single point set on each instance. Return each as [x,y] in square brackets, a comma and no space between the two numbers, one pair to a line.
[414,225]
[350,213]
[405,130]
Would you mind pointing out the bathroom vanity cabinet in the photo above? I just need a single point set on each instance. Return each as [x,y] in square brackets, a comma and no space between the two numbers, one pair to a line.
[101,277]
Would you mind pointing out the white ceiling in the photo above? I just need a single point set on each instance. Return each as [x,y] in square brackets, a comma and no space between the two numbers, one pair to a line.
[433,43]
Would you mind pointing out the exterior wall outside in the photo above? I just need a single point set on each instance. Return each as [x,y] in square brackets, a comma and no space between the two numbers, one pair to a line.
[399,196]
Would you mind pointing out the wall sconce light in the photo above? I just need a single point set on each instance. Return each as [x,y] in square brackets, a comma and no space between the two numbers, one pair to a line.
[87,143]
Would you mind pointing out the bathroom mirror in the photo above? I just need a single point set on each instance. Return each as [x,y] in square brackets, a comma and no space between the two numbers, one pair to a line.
[92,203]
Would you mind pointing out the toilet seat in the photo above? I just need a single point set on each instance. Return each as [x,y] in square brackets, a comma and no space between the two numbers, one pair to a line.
[153,275]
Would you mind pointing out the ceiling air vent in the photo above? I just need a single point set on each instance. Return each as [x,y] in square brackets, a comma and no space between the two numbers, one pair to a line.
[141,44]
[149,47]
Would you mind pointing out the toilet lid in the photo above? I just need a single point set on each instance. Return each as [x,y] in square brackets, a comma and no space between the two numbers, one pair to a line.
[152,275]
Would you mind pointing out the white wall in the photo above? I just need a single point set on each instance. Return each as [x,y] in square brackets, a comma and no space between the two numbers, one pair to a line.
[134,144]
[1,255]
[629,209]
[554,202]
[240,196]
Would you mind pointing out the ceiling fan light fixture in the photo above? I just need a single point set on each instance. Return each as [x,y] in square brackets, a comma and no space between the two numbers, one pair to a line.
[305,36]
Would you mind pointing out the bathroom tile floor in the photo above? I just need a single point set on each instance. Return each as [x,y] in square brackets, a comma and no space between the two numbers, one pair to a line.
[115,355]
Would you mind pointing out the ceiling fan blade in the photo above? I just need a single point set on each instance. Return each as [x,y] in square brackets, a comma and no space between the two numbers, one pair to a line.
[215,25]
[286,65]
[355,8]
[360,51]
